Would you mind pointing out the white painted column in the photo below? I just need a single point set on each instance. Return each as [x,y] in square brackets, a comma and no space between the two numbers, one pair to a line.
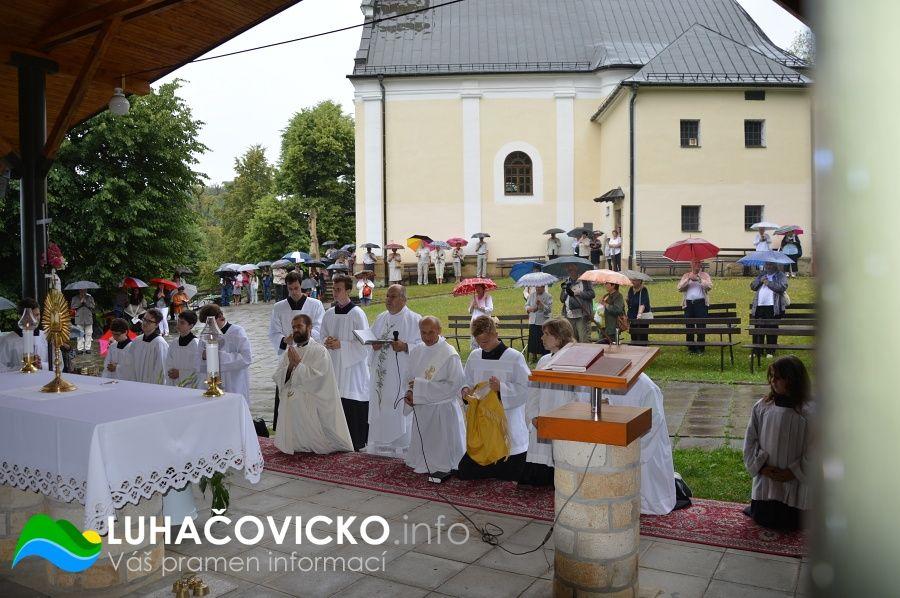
[471,134]
[565,159]
[372,164]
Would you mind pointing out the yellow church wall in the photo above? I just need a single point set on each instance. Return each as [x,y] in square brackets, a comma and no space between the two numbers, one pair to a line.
[359,152]
[590,166]
[614,163]
[721,176]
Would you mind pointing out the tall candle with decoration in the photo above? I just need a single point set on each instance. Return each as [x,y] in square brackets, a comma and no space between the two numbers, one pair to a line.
[28,323]
[211,337]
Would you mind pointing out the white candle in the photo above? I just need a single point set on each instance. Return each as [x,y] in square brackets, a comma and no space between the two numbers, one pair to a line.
[212,359]
[28,337]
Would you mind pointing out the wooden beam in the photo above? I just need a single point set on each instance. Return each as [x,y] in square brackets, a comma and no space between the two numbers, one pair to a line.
[80,86]
[88,21]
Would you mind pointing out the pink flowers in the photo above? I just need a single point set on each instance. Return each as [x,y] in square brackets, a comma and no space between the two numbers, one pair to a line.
[53,258]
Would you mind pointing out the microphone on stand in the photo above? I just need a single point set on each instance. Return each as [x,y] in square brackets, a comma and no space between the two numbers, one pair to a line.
[396,335]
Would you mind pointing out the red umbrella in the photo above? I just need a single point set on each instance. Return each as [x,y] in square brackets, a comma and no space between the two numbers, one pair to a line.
[467,286]
[165,283]
[457,242]
[689,250]
[130,282]
[396,246]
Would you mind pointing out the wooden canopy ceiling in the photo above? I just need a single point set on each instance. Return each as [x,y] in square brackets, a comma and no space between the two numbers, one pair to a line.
[96,42]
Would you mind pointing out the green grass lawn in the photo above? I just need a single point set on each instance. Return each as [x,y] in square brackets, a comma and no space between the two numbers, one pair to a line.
[673,363]
[717,474]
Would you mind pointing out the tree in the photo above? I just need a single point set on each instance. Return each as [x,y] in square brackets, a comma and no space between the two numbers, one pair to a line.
[316,166]
[120,194]
[275,228]
[254,180]
[804,46]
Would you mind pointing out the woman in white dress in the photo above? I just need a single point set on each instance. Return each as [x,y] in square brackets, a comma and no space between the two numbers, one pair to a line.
[543,398]
[395,268]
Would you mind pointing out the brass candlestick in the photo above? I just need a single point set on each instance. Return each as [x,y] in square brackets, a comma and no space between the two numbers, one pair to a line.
[28,362]
[56,321]
[190,583]
[212,386]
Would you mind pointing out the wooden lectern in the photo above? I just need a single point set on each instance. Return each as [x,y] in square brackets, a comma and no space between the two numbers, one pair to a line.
[597,534]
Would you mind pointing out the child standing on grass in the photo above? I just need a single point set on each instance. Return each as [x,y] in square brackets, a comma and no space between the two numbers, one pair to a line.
[776,447]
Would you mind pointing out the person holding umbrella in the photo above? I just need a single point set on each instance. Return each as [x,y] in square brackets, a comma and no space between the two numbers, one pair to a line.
[695,286]
[615,249]
[638,302]
[395,268]
[596,248]
[423,257]
[791,247]
[439,259]
[136,308]
[267,284]
[83,305]
[584,244]
[457,256]
[481,256]
[576,297]
[539,307]
[554,246]
[768,302]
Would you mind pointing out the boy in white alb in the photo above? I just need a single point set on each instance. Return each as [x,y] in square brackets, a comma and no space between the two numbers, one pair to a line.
[117,351]
[181,362]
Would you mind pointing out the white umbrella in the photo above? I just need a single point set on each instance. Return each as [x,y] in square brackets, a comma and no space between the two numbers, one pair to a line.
[764,225]
[190,290]
[248,268]
[536,279]
[81,284]
[6,303]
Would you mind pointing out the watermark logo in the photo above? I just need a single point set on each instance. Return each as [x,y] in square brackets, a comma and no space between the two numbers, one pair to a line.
[59,542]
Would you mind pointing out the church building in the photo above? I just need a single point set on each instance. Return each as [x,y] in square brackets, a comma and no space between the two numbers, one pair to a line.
[664,118]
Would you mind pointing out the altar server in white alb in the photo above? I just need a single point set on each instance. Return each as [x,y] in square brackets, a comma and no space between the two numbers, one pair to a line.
[435,378]
[389,427]
[117,352]
[181,363]
[349,357]
[544,398]
[312,419]
[296,302]
[148,352]
[657,468]
[235,356]
[507,373]
[12,345]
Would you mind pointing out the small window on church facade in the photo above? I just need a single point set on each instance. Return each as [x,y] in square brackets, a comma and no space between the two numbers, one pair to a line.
[517,174]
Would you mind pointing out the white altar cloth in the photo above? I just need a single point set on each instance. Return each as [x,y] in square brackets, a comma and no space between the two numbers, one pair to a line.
[114,447]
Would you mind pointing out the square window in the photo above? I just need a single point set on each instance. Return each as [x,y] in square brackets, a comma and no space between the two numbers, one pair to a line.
[690,219]
[690,133]
[755,94]
[754,133]
[752,215]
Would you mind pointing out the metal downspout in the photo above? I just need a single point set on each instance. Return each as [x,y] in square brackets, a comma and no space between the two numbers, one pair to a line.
[631,243]
[384,238]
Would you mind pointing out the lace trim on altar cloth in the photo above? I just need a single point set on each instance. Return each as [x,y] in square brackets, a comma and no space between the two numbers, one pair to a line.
[127,491]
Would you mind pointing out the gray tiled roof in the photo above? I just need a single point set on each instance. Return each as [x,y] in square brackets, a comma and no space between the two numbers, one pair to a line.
[703,56]
[476,36]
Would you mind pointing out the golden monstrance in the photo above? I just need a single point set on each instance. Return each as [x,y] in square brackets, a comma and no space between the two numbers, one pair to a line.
[56,322]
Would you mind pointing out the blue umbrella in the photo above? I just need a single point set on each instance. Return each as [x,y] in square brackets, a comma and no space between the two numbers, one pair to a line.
[557,267]
[758,258]
[297,256]
[522,268]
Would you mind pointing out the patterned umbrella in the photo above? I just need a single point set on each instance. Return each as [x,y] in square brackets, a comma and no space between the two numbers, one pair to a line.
[392,246]
[440,245]
[81,284]
[604,276]
[790,228]
[457,242]
[130,282]
[557,267]
[758,258]
[536,279]
[467,286]
[689,250]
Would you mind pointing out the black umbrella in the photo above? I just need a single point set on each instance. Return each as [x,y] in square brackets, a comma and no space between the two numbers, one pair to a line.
[554,231]
[329,244]
[480,235]
[370,246]
[264,263]
[577,232]
[557,267]
[337,267]
[348,248]
[315,263]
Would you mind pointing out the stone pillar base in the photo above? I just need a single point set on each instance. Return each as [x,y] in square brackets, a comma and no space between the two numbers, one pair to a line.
[598,533]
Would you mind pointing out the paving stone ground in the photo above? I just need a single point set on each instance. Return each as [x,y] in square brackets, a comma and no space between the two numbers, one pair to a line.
[697,414]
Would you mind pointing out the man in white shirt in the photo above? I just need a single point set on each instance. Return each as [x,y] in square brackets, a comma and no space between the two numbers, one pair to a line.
[349,358]
[235,355]
[296,302]
[435,376]
[507,373]
[423,259]
[481,255]
[554,247]
[312,419]
[389,428]
[368,260]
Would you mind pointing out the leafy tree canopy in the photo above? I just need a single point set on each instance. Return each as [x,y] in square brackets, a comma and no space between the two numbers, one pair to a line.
[254,180]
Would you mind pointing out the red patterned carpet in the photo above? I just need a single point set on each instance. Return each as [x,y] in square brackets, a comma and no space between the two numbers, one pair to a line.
[709,522]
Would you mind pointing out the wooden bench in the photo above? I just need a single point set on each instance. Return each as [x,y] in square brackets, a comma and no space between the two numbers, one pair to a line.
[656,260]
[713,326]
[458,328]
[512,328]
[728,255]
[719,310]
[505,264]
[785,327]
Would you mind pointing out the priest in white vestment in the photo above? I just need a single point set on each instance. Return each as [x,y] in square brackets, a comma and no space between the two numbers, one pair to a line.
[297,302]
[544,398]
[181,362]
[657,468]
[147,354]
[435,376]
[389,424]
[507,373]
[312,419]
[117,354]
[349,358]
[235,356]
